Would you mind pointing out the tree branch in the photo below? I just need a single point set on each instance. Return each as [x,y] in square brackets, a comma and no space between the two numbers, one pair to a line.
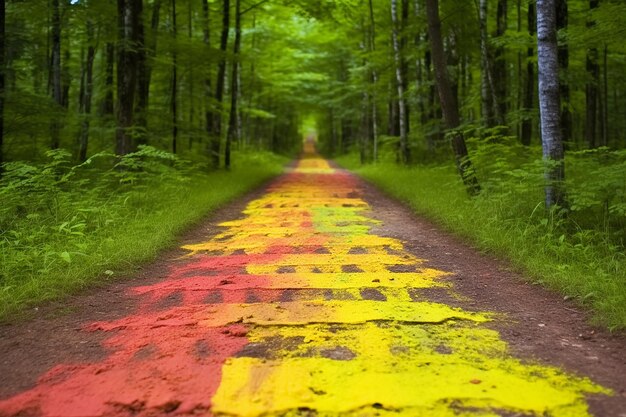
[254,6]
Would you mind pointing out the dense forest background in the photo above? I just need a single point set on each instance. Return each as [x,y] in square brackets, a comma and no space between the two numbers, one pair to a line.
[122,98]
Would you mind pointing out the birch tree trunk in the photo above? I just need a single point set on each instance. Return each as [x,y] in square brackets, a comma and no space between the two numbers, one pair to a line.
[549,102]
[446,97]
[404,148]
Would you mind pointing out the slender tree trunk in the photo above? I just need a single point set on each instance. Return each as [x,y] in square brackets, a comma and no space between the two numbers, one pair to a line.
[500,64]
[144,72]
[404,44]
[57,87]
[209,113]
[446,97]
[2,79]
[107,107]
[221,80]
[564,90]
[593,75]
[520,77]
[234,90]
[374,79]
[86,93]
[605,106]
[529,90]
[549,102]
[490,109]
[404,146]
[174,86]
[190,79]
[129,14]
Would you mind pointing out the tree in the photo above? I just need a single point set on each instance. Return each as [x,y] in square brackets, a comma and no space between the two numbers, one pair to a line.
[448,104]
[400,84]
[592,87]
[549,103]
[129,37]
[562,19]
[529,87]
[174,84]
[499,64]
[233,123]
[490,107]
[144,72]
[86,92]
[2,78]
[219,86]
[55,71]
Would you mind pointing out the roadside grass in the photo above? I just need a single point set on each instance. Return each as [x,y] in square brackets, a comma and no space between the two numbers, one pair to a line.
[64,229]
[581,256]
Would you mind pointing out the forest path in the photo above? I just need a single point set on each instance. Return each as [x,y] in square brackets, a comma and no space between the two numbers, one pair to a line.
[321,298]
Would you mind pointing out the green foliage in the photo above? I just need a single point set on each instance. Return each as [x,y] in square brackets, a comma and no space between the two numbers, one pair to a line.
[581,254]
[64,227]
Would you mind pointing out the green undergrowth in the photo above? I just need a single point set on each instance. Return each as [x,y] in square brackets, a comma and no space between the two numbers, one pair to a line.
[580,255]
[64,228]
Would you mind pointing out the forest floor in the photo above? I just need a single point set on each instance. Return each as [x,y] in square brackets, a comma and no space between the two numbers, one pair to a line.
[314,296]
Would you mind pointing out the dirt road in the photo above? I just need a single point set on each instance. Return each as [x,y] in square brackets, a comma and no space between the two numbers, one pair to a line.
[322,297]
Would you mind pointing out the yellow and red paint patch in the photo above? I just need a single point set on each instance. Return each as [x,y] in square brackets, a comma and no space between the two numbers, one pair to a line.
[298,308]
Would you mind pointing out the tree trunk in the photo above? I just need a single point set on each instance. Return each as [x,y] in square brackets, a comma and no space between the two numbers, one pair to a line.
[129,14]
[2,79]
[397,54]
[190,79]
[57,87]
[234,90]
[107,107]
[446,98]
[549,102]
[209,113]
[144,72]
[174,85]
[374,80]
[219,89]
[605,97]
[499,64]
[490,109]
[564,90]
[591,90]
[86,93]
[404,43]
[529,90]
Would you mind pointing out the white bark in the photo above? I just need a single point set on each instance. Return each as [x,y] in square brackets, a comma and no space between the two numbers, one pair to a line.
[549,100]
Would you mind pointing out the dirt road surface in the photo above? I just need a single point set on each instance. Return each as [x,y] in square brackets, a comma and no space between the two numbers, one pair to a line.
[316,296]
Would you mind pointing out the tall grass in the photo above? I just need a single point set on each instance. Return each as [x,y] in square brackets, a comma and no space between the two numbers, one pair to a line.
[581,255]
[66,228]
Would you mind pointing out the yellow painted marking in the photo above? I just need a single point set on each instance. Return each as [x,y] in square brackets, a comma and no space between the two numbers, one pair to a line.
[330,348]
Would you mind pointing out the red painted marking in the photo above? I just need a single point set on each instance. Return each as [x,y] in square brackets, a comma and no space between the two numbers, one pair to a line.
[151,371]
